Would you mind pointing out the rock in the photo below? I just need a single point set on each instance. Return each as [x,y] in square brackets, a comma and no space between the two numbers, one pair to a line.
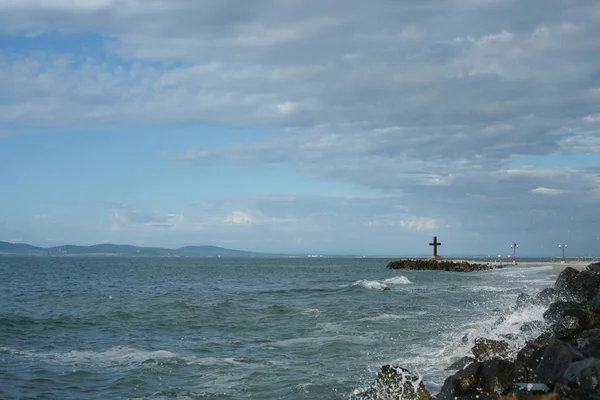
[396,383]
[588,343]
[555,310]
[461,383]
[529,357]
[565,392]
[584,375]
[545,297]
[532,325]
[565,283]
[555,360]
[523,300]
[594,267]
[461,363]
[595,304]
[571,322]
[497,376]
[425,265]
[587,284]
[486,349]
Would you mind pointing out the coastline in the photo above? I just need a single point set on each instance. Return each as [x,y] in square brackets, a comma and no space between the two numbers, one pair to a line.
[561,362]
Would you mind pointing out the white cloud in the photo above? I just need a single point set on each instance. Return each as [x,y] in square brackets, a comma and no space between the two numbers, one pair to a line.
[420,224]
[239,218]
[546,191]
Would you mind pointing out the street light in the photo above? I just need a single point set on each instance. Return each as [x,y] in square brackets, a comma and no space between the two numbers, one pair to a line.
[563,247]
[514,247]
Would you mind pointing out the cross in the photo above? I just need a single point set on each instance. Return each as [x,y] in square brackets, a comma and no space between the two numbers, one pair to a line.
[435,244]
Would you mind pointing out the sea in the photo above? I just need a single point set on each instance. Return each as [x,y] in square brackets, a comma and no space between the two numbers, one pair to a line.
[253,328]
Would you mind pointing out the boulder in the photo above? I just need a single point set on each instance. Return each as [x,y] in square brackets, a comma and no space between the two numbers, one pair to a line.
[545,297]
[555,310]
[529,389]
[486,349]
[529,358]
[532,325]
[594,267]
[565,392]
[584,375]
[587,285]
[497,377]
[462,383]
[571,322]
[588,343]
[523,300]
[555,360]
[595,304]
[565,284]
[396,383]
[461,363]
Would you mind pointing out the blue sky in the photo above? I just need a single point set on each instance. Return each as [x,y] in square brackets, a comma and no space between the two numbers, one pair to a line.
[308,127]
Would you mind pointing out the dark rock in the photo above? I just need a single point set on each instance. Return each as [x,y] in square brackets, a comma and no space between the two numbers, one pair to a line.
[462,383]
[594,267]
[595,304]
[532,325]
[523,300]
[529,357]
[461,363]
[584,375]
[545,297]
[486,349]
[396,383]
[556,309]
[425,265]
[587,285]
[588,343]
[571,322]
[565,283]
[529,389]
[565,392]
[497,376]
[555,360]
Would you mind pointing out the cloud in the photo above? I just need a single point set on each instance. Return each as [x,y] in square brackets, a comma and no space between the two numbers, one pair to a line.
[546,191]
[239,218]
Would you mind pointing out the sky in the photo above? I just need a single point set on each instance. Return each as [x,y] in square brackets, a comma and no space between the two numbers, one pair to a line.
[331,126]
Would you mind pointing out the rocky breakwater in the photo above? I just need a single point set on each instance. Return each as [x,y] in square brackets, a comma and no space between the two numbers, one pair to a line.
[563,363]
[437,265]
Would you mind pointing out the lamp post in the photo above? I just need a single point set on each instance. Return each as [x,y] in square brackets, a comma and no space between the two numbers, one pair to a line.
[563,246]
[514,247]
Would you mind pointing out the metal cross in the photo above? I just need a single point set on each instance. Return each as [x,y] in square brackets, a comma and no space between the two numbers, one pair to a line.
[435,244]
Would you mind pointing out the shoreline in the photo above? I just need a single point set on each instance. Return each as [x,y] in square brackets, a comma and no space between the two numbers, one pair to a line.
[556,266]
[562,361]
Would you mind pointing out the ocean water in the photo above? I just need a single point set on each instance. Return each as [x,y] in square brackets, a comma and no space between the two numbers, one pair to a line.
[125,328]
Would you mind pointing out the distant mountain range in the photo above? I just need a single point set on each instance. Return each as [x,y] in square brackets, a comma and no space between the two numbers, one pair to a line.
[126,250]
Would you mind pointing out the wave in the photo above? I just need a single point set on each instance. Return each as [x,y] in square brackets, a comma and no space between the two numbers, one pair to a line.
[382,284]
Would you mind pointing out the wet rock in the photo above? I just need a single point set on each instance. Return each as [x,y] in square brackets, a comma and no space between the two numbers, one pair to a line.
[549,396]
[462,383]
[497,376]
[486,349]
[426,265]
[595,304]
[555,310]
[532,325]
[555,360]
[461,363]
[565,392]
[584,375]
[565,282]
[587,284]
[594,267]
[529,357]
[545,297]
[588,343]
[571,322]
[523,300]
[396,383]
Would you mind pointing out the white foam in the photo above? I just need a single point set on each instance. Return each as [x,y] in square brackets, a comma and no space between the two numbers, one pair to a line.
[382,317]
[382,284]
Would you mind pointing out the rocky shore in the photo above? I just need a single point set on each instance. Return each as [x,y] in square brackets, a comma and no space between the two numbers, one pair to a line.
[436,265]
[563,363]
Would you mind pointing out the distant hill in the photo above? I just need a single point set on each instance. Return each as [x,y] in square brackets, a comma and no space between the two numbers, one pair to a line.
[126,250]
